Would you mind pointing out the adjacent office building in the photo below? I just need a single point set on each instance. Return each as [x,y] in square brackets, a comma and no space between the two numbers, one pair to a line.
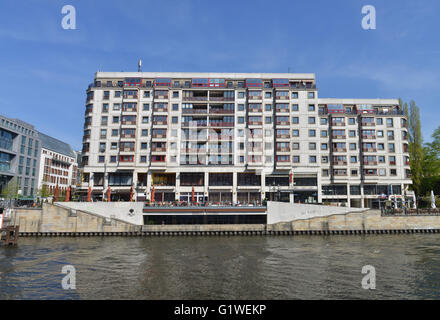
[58,164]
[240,137]
[20,148]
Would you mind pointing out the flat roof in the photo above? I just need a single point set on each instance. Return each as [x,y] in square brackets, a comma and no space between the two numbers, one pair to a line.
[292,76]
[378,101]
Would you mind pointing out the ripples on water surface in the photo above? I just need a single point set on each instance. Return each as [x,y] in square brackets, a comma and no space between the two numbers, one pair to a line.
[299,267]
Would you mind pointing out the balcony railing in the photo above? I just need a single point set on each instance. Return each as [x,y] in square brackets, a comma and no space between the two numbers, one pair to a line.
[194,124]
[157,96]
[283,149]
[226,111]
[130,96]
[369,163]
[220,98]
[195,98]
[160,109]
[155,149]
[194,111]
[283,136]
[369,149]
[367,124]
[255,97]
[221,124]
[283,123]
[128,135]
[368,136]
[339,149]
[338,136]
[338,124]
[340,163]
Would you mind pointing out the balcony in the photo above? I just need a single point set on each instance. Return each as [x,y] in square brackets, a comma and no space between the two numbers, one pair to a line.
[338,136]
[283,123]
[195,98]
[128,122]
[221,124]
[130,96]
[156,122]
[160,109]
[159,136]
[194,124]
[218,98]
[255,97]
[128,135]
[390,137]
[158,96]
[369,149]
[339,149]
[281,110]
[124,149]
[159,149]
[257,123]
[340,163]
[195,111]
[369,163]
[283,136]
[338,124]
[86,137]
[281,97]
[221,111]
[368,136]
[367,124]
[87,124]
[278,150]
[254,110]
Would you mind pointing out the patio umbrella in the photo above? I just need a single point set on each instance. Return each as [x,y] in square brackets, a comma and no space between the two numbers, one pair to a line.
[152,194]
[433,200]
[89,195]
[67,194]
[109,194]
[192,195]
[131,194]
[56,193]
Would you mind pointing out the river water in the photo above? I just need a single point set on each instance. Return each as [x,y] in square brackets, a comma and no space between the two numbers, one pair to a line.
[281,267]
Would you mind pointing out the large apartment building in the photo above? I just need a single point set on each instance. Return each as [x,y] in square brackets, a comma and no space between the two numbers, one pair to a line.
[240,137]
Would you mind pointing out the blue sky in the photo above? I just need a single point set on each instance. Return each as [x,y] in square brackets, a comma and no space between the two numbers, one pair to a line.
[46,69]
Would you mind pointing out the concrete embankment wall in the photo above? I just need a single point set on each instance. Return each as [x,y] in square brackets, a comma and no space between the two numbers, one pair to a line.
[365,221]
[114,210]
[59,220]
[56,219]
[284,212]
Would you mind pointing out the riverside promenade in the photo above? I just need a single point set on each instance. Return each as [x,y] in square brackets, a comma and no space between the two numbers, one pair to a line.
[60,219]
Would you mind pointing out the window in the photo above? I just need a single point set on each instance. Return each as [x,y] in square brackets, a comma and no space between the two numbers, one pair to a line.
[379,121]
[146,94]
[389,122]
[143,159]
[311,120]
[104,121]
[323,133]
[113,159]
[295,159]
[352,133]
[268,94]
[146,106]
[353,159]
[105,107]
[101,159]
[115,132]
[115,119]
[268,107]
[175,107]
[351,121]
[325,172]
[294,95]
[324,146]
[144,119]
[268,119]
[144,145]
[116,106]
[295,120]
[311,107]
[311,95]
[312,133]
[295,107]
[324,159]
[295,145]
[240,119]
[175,94]
[241,95]
[144,132]
[240,107]
[114,146]
[312,159]
[352,146]
[174,119]
[295,133]
[323,121]
[312,146]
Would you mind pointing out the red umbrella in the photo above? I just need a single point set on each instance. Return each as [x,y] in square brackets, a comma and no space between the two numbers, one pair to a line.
[192,195]
[89,195]
[109,194]
[152,194]
[56,193]
[67,194]
[131,194]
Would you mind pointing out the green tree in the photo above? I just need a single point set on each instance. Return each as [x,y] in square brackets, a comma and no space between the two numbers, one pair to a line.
[10,191]
[431,164]
[415,146]
[44,191]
